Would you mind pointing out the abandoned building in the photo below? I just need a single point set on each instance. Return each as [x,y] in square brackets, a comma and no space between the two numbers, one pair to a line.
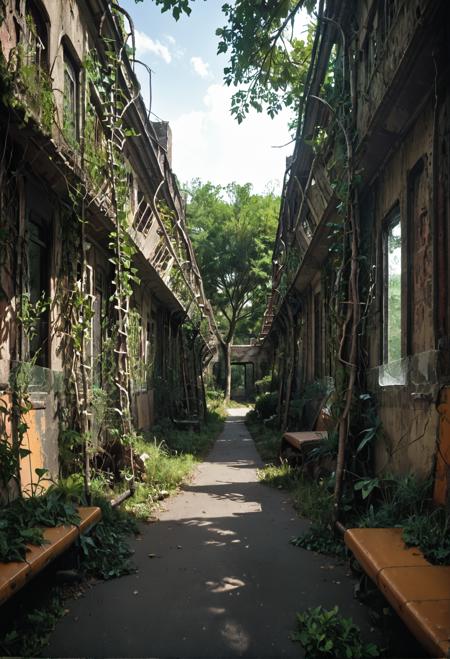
[101,297]
[390,330]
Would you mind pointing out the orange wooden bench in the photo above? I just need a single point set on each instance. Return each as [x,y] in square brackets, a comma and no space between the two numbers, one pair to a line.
[304,441]
[418,591]
[15,575]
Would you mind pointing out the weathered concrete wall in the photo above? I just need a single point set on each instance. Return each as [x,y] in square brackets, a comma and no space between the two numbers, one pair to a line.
[407,411]
[408,415]
[382,53]
[258,357]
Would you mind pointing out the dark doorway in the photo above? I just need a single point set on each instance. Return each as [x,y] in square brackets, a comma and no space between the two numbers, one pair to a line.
[243,382]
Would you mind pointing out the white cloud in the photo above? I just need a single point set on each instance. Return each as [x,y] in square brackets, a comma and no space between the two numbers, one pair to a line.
[145,44]
[211,145]
[200,67]
[170,39]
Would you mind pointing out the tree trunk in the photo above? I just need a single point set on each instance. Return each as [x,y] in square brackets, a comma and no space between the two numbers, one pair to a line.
[226,347]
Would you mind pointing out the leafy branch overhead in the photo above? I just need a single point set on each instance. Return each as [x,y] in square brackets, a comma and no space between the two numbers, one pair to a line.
[267,61]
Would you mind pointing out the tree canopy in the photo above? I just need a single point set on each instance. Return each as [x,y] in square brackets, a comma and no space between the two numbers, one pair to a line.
[267,62]
[233,232]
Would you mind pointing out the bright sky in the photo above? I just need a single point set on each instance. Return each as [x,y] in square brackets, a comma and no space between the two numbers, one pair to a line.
[187,91]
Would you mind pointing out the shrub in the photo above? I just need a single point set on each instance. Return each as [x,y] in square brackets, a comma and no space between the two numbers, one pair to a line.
[266,405]
[21,521]
[327,634]
[322,539]
[393,500]
[267,439]
[263,386]
[105,551]
[430,532]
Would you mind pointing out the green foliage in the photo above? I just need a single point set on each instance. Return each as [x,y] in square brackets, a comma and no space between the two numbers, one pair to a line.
[321,539]
[325,633]
[430,532]
[266,405]
[30,632]
[327,448]
[311,498]
[177,7]
[265,58]
[393,500]
[106,552]
[33,83]
[232,232]
[283,476]
[13,415]
[30,313]
[267,439]
[263,386]
[313,501]
[21,521]
[394,306]
[95,148]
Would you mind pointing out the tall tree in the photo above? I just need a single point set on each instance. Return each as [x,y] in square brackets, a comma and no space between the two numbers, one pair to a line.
[233,232]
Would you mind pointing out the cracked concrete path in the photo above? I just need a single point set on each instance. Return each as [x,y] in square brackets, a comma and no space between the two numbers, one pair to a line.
[225,581]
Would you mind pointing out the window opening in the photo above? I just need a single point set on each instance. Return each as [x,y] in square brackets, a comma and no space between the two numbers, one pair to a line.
[38,285]
[35,37]
[70,99]
[392,312]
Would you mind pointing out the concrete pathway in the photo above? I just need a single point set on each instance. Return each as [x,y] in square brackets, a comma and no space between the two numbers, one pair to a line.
[225,582]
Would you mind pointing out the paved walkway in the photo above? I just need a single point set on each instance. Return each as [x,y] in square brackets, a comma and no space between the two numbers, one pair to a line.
[225,582]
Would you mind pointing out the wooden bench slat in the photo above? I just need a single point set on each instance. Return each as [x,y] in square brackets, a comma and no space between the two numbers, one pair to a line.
[12,577]
[415,584]
[431,625]
[418,591]
[300,439]
[57,540]
[376,549]
[89,516]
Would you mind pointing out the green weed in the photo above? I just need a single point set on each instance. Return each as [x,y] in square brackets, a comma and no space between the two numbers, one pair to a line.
[325,633]
[320,538]
[170,456]
[430,532]
[31,631]
[267,440]
[105,551]
[22,519]
[312,500]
